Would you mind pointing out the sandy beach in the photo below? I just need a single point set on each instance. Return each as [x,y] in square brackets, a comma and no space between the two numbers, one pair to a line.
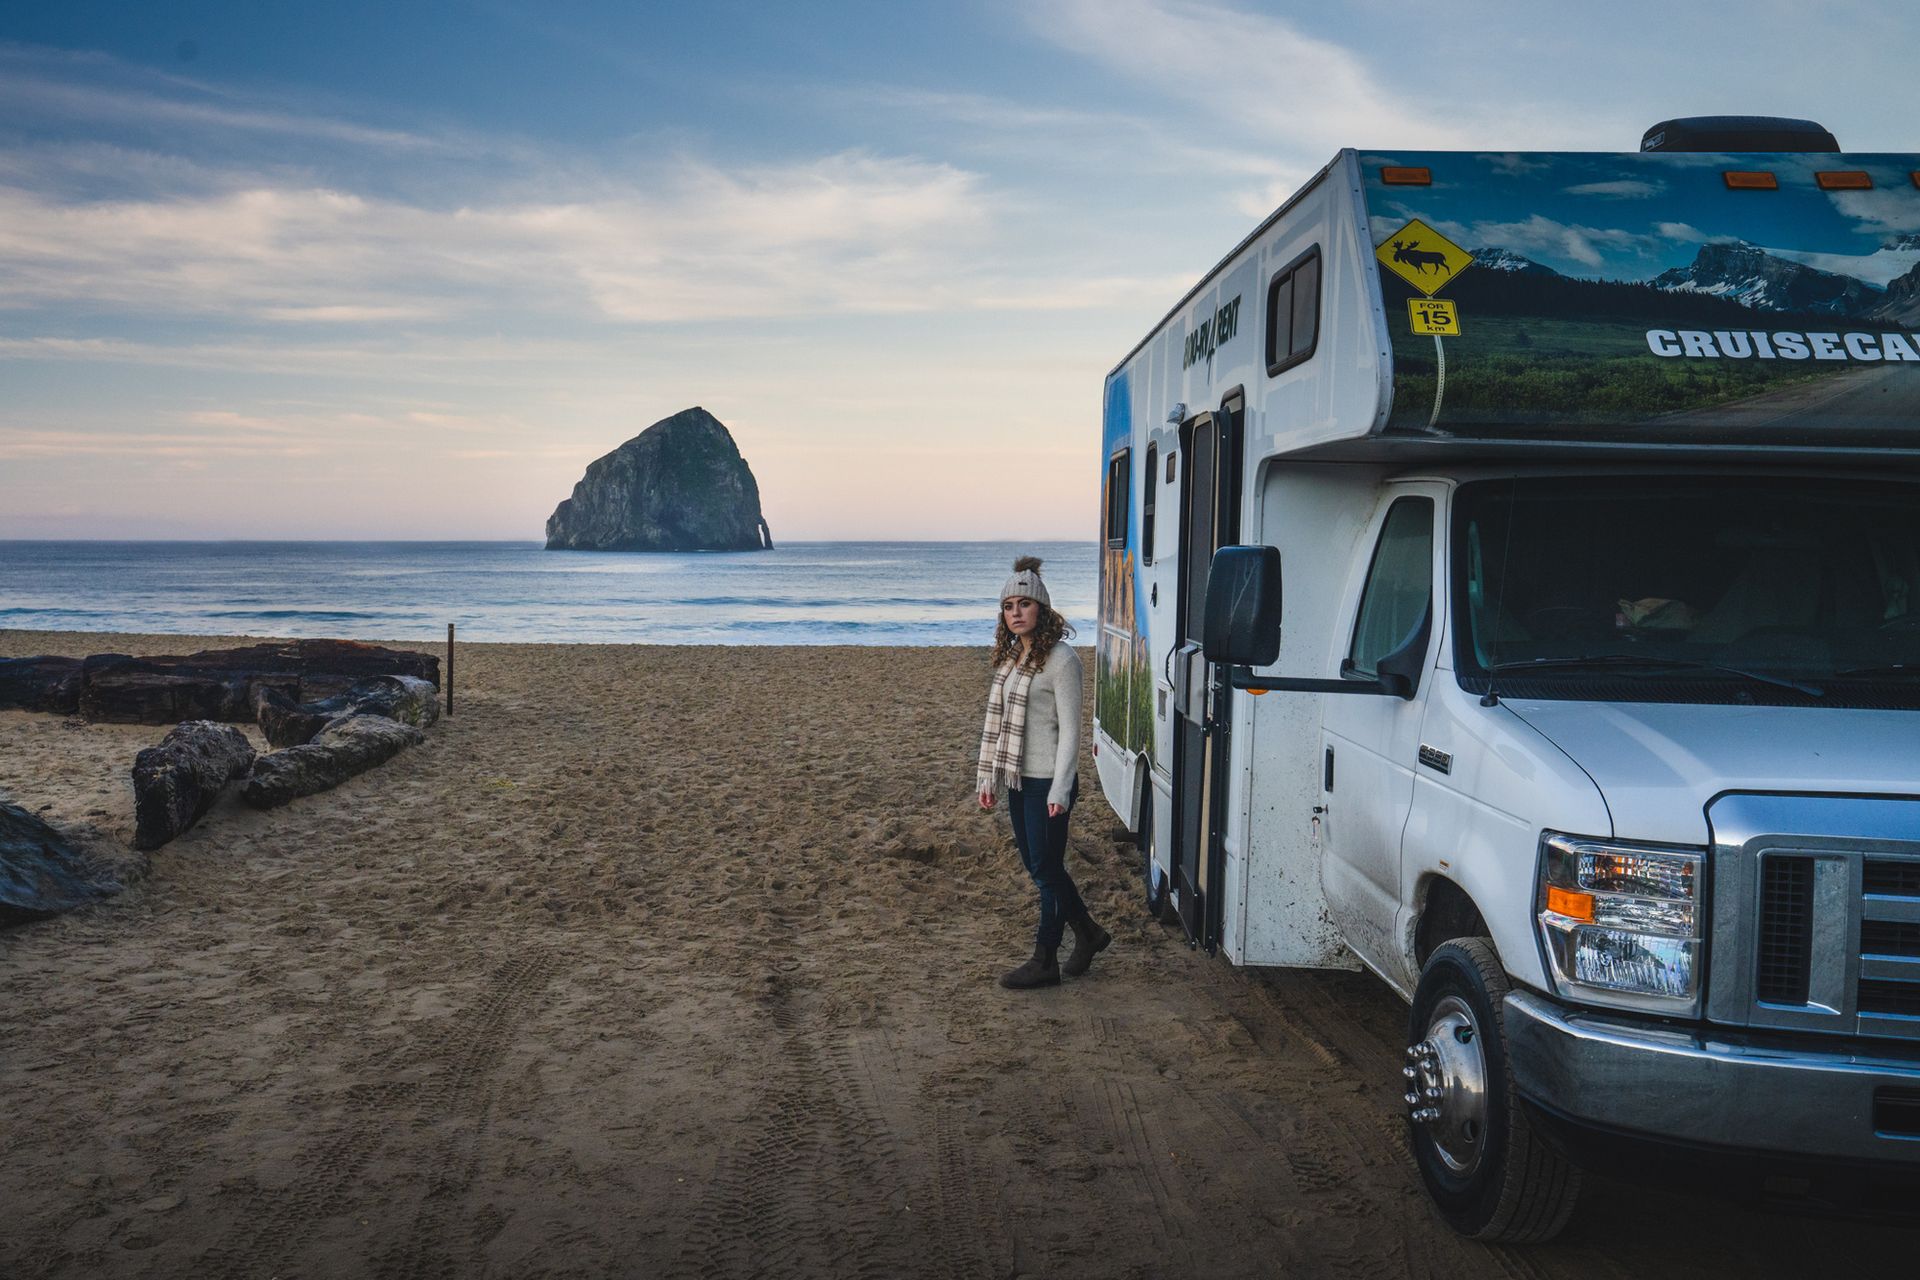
[677,961]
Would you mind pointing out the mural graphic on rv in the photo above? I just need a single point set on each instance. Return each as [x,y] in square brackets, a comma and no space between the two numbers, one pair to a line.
[1639,292]
[1123,681]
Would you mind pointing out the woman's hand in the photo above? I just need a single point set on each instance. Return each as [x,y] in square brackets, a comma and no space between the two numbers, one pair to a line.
[986,799]
[1055,810]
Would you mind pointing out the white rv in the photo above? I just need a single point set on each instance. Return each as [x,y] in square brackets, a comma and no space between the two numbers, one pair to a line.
[1511,585]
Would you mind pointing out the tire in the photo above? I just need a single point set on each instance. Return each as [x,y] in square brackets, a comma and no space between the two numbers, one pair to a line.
[1490,1175]
[1159,896]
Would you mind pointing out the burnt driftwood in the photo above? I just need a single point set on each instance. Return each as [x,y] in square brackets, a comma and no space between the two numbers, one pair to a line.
[219,684]
[41,871]
[287,723]
[40,684]
[175,783]
[346,747]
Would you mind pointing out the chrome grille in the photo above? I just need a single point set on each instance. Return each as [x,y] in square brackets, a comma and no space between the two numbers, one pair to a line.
[1816,916]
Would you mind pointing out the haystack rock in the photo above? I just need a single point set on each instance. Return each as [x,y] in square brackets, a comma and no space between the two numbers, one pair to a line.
[680,485]
[676,486]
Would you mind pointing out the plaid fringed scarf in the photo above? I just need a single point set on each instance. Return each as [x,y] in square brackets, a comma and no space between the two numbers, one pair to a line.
[1006,728]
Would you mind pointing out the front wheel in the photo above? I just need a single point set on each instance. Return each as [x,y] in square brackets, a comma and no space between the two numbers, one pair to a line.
[1490,1175]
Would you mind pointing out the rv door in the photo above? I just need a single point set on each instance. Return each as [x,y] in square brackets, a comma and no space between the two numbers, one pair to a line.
[1210,519]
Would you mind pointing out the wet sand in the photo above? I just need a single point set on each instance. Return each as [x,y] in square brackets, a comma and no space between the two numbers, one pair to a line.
[680,962]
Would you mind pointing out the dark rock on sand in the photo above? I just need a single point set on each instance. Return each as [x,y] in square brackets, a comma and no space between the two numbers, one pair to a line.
[345,747]
[40,684]
[680,485]
[40,869]
[289,724]
[175,783]
[219,684]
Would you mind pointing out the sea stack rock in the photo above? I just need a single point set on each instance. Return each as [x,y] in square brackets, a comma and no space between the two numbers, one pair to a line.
[680,485]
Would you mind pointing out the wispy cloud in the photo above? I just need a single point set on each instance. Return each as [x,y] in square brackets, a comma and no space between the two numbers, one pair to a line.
[1255,75]
[1620,189]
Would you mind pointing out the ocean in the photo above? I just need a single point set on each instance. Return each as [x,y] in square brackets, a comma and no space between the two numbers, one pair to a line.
[869,593]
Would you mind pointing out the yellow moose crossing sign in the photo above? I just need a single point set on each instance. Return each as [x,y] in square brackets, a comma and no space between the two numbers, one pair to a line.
[1423,257]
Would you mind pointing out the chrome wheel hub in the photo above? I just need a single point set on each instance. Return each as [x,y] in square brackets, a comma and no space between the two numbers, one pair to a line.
[1447,1086]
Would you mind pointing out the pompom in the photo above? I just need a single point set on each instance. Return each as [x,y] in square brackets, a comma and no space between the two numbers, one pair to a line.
[1025,563]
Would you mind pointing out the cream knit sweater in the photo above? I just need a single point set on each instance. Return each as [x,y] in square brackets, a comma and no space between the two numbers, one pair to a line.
[1051,745]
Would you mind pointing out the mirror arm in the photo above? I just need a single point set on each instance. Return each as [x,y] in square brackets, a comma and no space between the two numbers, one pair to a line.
[1245,678]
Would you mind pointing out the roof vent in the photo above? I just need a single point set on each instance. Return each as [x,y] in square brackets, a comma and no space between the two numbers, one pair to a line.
[1738,133]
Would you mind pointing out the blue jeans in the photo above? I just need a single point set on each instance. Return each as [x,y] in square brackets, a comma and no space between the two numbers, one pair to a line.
[1043,848]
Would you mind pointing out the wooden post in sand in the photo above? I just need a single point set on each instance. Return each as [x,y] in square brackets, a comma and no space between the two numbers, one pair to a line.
[449,668]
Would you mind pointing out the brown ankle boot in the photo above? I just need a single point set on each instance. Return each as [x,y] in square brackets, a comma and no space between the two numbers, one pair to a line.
[1043,970]
[1089,940]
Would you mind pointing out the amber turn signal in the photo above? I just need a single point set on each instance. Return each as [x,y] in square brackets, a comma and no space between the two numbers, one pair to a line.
[1567,902]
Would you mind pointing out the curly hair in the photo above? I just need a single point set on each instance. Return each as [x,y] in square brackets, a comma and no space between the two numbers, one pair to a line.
[1052,628]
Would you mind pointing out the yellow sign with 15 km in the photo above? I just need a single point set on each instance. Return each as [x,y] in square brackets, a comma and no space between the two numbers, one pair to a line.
[1423,257]
[1434,315]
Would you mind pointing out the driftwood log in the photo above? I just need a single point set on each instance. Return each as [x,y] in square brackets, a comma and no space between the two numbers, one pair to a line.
[175,783]
[40,684]
[346,747]
[40,869]
[214,684]
[287,723]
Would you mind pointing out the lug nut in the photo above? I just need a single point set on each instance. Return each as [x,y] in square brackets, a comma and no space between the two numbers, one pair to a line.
[1434,1093]
[1413,1099]
[1409,1072]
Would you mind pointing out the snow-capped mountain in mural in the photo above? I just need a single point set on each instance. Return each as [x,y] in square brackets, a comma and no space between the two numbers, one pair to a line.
[1748,274]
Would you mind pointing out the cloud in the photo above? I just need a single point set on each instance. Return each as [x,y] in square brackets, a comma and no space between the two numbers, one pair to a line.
[1620,189]
[844,233]
[1285,84]
[1540,236]
[101,90]
[1683,232]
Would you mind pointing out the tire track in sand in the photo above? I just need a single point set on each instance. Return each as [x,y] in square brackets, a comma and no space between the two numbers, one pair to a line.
[279,1222]
[460,1102]
[813,1191]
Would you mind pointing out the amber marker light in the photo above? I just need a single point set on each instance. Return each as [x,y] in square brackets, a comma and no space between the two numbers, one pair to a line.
[1915,175]
[1406,176]
[1750,180]
[1566,902]
[1844,180]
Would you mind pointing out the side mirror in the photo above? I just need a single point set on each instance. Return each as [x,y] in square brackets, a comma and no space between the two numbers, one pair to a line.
[1400,670]
[1242,623]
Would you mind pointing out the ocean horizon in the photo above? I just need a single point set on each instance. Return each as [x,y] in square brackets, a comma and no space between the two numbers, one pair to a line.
[861,593]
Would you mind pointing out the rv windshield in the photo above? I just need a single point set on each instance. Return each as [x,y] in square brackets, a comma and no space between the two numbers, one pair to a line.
[1690,589]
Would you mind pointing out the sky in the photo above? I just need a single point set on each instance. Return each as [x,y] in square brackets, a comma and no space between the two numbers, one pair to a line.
[378,270]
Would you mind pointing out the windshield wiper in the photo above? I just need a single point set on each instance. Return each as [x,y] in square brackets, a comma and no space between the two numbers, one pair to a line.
[1650,660]
[1888,669]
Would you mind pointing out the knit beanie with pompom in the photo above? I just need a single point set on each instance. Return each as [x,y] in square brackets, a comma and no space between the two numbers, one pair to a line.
[1026,582]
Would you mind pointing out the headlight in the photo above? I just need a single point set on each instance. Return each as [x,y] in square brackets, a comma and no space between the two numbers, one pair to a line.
[1622,923]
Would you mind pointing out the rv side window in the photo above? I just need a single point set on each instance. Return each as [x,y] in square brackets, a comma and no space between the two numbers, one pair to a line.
[1399,585]
[1148,484]
[1293,313]
[1117,496]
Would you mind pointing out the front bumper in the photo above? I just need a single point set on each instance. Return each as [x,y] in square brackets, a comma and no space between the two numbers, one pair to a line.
[1790,1095]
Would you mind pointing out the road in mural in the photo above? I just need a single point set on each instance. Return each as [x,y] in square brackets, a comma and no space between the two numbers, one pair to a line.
[1642,295]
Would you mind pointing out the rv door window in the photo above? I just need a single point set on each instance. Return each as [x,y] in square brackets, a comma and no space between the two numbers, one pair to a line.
[1118,495]
[1293,313]
[1147,487]
[1399,585]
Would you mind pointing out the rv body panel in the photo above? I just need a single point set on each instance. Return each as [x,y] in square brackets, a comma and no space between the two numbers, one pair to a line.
[1700,406]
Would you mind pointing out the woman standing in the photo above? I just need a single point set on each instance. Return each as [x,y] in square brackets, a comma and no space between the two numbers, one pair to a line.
[1030,748]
